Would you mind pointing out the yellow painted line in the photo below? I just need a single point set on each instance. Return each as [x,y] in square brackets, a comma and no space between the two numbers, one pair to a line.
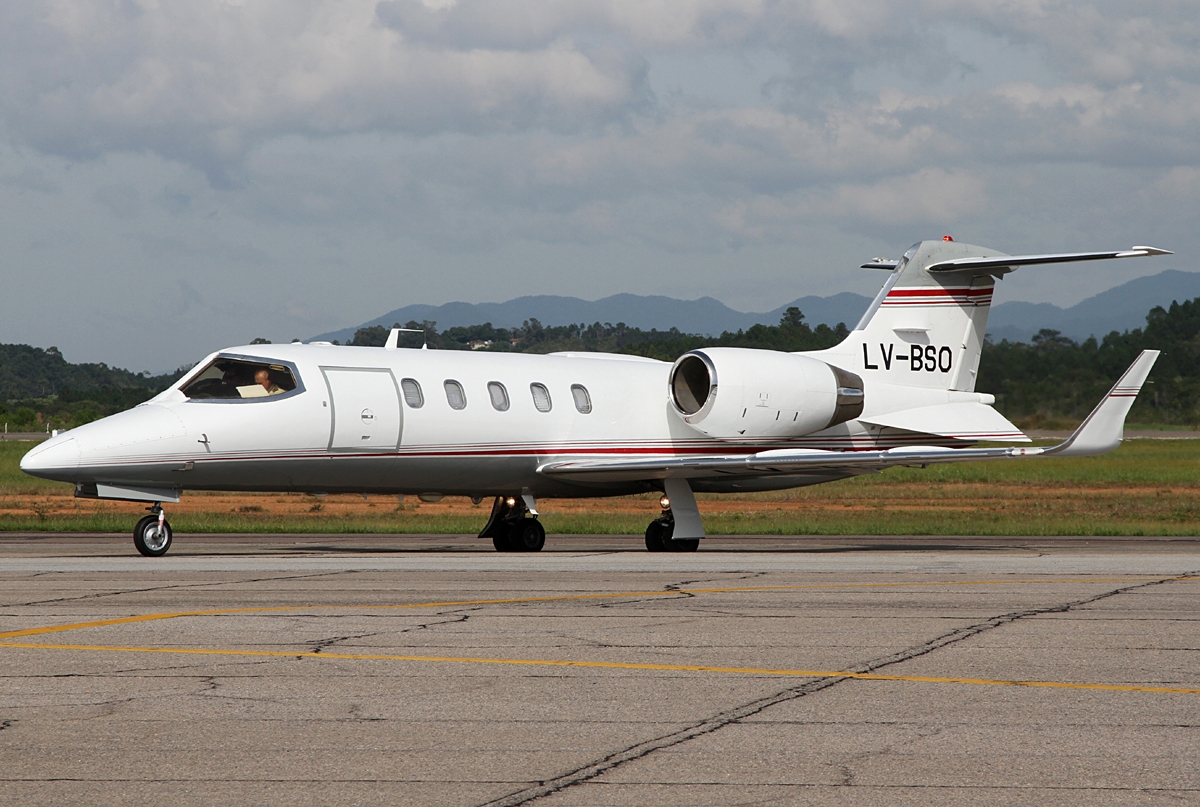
[100,623]
[605,665]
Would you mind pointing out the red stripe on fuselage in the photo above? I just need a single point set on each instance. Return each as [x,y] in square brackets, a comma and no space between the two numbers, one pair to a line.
[937,291]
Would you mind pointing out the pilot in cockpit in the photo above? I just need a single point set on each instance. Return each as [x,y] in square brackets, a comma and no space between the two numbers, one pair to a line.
[263,379]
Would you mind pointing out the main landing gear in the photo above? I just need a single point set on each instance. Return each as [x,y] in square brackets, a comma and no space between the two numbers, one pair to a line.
[659,533]
[152,535]
[679,528]
[514,526]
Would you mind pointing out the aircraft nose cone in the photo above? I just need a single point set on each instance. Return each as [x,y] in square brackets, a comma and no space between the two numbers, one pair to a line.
[57,454]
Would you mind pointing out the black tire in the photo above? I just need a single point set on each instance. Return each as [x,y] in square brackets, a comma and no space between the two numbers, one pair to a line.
[683,545]
[529,535]
[147,540]
[502,540]
[658,535]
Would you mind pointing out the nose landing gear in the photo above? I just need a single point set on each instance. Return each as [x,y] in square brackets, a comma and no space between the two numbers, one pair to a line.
[510,529]
[152,535]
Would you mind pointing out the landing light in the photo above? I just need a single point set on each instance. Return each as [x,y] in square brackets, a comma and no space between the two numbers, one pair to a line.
[510,501]
[664,503]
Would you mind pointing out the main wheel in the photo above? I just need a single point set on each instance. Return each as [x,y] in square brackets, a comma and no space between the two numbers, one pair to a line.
[529,535]
[683,545]
[658,535]
[149,540]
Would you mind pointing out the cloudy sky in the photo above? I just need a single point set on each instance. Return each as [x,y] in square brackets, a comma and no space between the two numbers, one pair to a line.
[176,177]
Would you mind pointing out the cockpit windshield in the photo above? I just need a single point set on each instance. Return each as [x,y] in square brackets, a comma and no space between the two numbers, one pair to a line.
[231,378]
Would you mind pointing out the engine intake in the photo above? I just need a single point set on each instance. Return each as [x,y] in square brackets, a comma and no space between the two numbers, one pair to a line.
[733,393]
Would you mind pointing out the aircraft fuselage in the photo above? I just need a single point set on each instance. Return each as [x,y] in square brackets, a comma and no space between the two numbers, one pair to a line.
[348,427]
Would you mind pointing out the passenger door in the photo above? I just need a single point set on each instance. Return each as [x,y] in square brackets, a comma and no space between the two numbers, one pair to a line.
[365,405]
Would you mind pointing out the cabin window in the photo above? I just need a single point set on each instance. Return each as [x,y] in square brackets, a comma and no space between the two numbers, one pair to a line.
[499,396]
[238,379]
[541,397]
[412,393]
[455,395]
[583,401]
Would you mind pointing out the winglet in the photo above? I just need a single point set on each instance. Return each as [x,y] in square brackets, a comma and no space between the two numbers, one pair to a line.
[1101,432]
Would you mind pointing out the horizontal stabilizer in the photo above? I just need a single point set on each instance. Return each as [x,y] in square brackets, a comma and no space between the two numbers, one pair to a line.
[1102,430]
[959,264]
[966,420]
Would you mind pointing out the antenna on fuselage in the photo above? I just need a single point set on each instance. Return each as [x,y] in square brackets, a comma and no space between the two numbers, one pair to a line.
[393,340]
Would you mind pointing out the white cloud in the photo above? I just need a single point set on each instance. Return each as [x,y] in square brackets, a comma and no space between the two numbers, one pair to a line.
[330,146]
[1181,183]
[929,197]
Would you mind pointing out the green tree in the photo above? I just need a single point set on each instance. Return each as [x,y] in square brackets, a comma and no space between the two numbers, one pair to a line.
[370,336]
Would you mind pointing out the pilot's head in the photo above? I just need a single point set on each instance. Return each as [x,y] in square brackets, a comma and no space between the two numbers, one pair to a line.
[264,378]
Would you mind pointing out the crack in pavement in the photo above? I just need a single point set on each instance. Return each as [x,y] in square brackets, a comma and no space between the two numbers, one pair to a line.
[450,619]
[377,780]
[178,586]
[671,588]
[210,687]
[722,719]
[677,587]
[320,644]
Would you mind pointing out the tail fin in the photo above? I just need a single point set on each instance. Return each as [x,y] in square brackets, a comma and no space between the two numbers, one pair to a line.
[926,326]
[925,329]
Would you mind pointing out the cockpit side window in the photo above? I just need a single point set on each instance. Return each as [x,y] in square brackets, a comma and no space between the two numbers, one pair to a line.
[239,379]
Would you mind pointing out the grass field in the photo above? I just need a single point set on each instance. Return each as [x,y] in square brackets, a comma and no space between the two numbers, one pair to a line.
[1146,487]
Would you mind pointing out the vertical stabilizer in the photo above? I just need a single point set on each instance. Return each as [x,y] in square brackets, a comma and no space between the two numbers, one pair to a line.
[925,329]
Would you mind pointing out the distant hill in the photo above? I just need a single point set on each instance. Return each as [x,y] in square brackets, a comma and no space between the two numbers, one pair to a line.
[1118,309]
[31,372]
[703,316]
[39,389]
[1122,308]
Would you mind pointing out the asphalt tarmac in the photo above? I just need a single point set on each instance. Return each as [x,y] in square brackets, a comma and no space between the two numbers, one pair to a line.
[430,670]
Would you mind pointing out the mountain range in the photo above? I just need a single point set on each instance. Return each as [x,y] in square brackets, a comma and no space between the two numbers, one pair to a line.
[1118,309]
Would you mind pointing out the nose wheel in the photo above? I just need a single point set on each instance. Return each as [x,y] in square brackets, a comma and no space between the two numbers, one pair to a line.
[152,535]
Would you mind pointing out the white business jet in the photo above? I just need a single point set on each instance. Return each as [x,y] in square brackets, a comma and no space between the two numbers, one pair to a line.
[517,427]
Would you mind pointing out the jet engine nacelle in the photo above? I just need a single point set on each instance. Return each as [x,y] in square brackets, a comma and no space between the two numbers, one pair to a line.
[732,393]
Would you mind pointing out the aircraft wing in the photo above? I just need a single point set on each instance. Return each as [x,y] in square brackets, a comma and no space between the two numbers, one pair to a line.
[1099,433]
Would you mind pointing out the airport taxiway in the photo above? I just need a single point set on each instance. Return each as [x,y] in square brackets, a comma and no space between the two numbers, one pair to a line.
[358,669]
